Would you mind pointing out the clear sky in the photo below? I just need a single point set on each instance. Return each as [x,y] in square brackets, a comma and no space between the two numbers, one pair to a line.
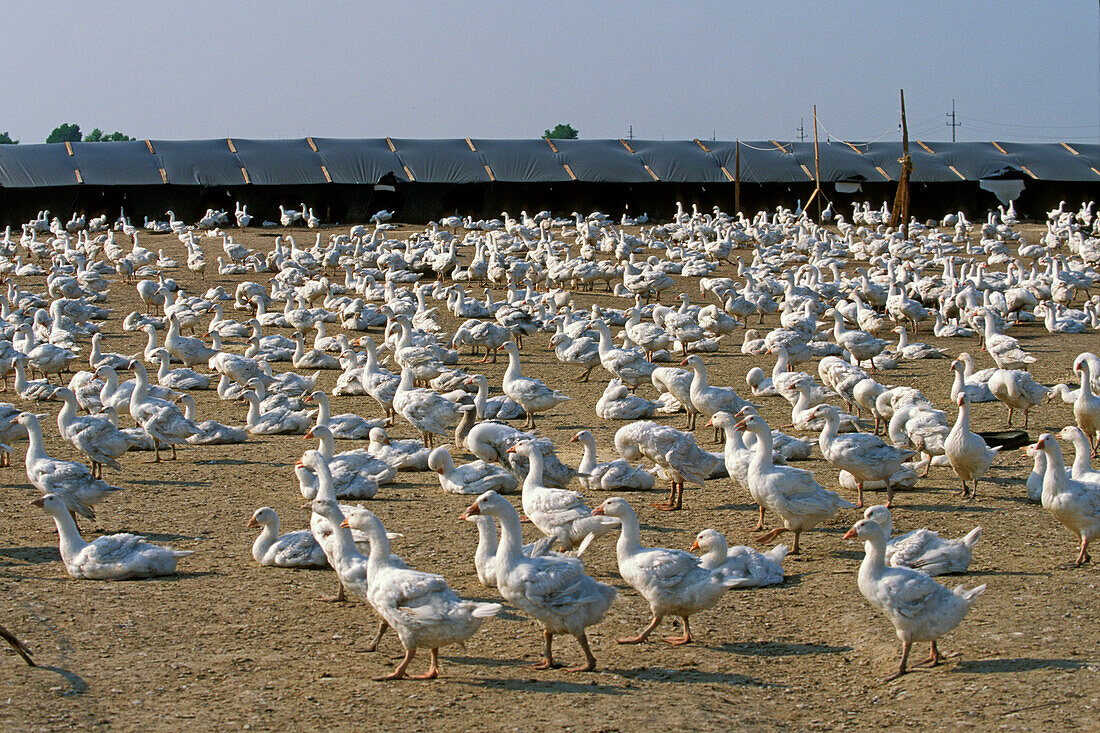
[1018,70]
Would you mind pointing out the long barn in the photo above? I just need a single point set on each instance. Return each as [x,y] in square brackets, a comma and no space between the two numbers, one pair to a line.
[346,180]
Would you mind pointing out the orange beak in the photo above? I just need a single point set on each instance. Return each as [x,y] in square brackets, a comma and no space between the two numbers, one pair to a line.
[39,501]
[850,534]
[573,439]
[684,362]
[710,423]
[252,523]
[694,546]
[471,511]
[308,435]
[307,506]
[740,426]
[598,510]
[511,450]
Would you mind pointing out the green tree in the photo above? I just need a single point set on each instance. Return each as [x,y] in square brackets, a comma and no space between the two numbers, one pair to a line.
[65,133]
[98,136]
[561,132]
[5,139]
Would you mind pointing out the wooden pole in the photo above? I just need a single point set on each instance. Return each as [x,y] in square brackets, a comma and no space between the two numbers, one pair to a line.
[737,177]
[817,171]
[899,217]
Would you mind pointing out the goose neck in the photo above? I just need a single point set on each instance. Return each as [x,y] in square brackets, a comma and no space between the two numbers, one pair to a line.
[71,543]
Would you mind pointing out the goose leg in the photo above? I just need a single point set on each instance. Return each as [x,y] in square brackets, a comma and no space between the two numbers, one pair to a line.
[590,659]
[1083,557]
[433,669]
[338,598]
[400,671]
[548,652]
[19,647]
[681,640]
[770,536]
[668,505]
[935,657]
[797,536]
[644,634]
[382,626]
[859,493]
[905,647]
[759,525]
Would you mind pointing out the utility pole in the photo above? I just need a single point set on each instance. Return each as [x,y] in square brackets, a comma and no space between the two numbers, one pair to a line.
[953,124]
[801,129]
[630,135]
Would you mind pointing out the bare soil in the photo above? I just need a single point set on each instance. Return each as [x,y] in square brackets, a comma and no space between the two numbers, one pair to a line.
[227,644]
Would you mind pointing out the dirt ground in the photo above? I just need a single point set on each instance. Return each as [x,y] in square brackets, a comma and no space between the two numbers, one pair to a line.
[228,644]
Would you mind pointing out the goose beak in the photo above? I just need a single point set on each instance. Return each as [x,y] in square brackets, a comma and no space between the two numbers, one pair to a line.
[345,524]
[684,362]
[511,450]
[573,439]
[694,546]
[471,511]
[850,534]
[308,435]
[308,505]
[39,501]
[599,510]
[710,423]
[740,426]
[252,523]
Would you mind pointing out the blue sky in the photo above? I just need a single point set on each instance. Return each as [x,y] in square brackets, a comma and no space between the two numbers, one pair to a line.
[1027,71]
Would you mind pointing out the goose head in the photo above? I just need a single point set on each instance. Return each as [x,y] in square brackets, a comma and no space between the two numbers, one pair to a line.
[866,529]
[707,540]
[262,517]
[490,503]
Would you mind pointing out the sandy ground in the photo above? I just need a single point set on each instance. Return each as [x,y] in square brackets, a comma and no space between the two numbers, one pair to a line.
[227,644]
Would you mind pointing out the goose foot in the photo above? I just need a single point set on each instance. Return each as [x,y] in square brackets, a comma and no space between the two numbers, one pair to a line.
[681,640]
[590,659]
[433,669]
[643,635]
[934,658]
[400,671]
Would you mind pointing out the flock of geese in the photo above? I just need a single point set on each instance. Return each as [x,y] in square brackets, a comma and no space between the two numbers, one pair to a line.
[841,296]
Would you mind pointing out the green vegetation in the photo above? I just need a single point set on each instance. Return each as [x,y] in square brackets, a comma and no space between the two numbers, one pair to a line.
[70,133]
[5,139]
[561,132]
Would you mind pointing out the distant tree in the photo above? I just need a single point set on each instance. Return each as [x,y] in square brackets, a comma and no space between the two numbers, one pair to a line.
[5,139]
[561,132]
[65,133]
[98,136]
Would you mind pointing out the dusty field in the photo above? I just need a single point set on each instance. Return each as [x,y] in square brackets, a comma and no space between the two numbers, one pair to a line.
[228,644]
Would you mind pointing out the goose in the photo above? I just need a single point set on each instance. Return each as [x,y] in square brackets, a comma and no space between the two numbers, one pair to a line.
[280,421]
[178,378]
[94,436]
[628,365]
[558,513]
[30,390]
[1081,469]
[312,359]
[211,432]
[553,590]
[860,344]
[276,400]
[708,399]
[429,412]
[920,608]
[485,554]
[110,557]
[190,351]
[967,451]
[420,607]
[914,351]
[500,408]
[356,474]
[866,457]
[291,550]
[379,383]
[402,455]
[1005,350]
[1034,483]
[72,482]
[975,391]
[1018,391]
[476,477]
[96,357]
[581,351]
[531,394]
[347,426]
[616,403]
[678,457]
[673,582]
[677,383]
[608,476]
[1074,503]
[745,567]
[1086,408]
[490,442]
[161,419]
[45,358]
[922,549]
[792,493]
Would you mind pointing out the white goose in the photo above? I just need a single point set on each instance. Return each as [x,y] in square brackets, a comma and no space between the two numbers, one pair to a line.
[420,607]
[1074,503]
[178,378]
[966,451]
[403,455]
[280,421]
[608,476]
[211,432]
[673,582]
[553,590]
[1018,391]
[923,549]
[291,550]
[792,493]
[746,567]
[1081,469]
[71,481]
[161,419]
[110,557]
[678,457]
[708,399]
[485,556]
[347,426]
[476,477]
[531,394]
[94,436]
[920,608]
[500,407]
[558,513]
[356,474]
[429,412]
[866,457]
[1005,350]
[975,390]
[1086,408]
